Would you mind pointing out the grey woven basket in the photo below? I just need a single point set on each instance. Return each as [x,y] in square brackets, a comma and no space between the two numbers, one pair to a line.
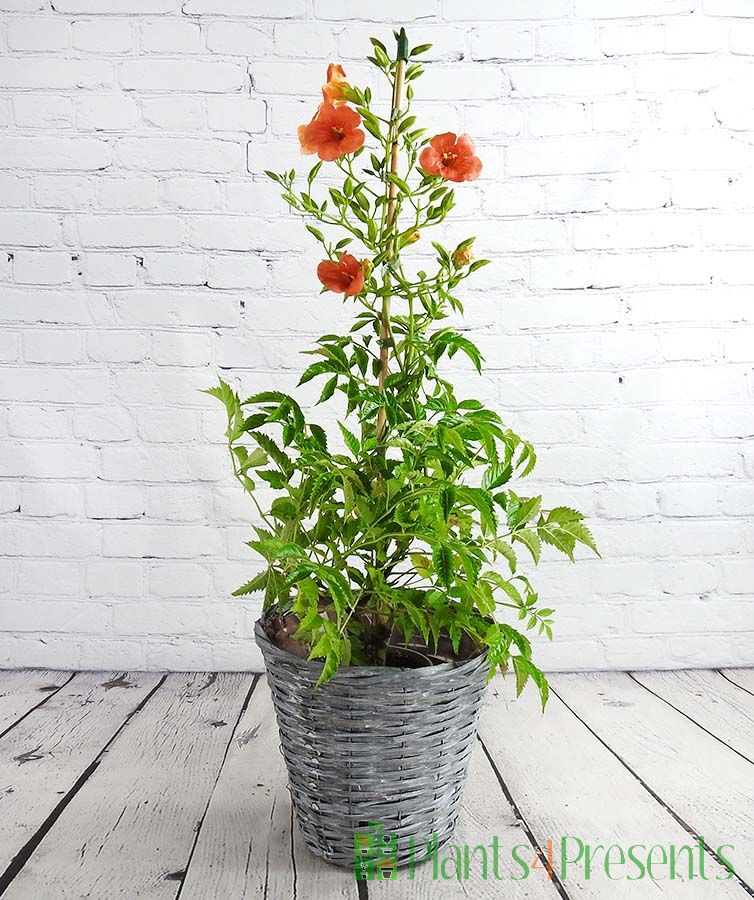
[375,744]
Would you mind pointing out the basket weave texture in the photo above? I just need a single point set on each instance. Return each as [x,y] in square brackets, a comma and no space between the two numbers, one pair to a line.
[375,744]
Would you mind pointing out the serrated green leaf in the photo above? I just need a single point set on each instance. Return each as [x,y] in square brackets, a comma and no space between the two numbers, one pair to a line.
[564,515]
[531,541]
[442,562]
[351,441]
[508,553]
[447,498]
[505,585]
[315,369]
[274,548]
[257,583]
[519,515]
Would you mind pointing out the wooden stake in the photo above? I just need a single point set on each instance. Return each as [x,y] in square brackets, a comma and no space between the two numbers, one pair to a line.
[392,195]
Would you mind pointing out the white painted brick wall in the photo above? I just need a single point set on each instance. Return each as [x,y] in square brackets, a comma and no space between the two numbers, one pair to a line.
[141,250]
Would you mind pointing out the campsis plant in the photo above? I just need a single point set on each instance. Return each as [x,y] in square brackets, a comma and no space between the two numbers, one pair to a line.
[408,529]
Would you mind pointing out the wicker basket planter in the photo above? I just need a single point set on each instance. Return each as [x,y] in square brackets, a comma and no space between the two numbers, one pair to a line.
[375,744]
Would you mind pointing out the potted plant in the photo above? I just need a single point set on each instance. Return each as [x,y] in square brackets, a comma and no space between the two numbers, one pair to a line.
[392,552]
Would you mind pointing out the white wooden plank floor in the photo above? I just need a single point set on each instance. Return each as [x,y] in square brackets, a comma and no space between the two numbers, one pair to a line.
[171,787]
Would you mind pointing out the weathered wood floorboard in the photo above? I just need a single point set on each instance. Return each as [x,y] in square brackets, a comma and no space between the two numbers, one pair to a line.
[569,785]
[152,787]
[707,785]
[711,701]
[44,756]
[22,691]
[245,849]
[130,829]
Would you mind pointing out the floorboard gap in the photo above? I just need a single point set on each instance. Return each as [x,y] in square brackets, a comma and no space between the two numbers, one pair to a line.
[244,706]
[23,855]
[48,695]
[293,853]
[687,716]
[734,683]
[686,827]
[558,884]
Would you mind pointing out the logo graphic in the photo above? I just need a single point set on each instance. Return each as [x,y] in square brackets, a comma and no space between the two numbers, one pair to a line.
[375,853]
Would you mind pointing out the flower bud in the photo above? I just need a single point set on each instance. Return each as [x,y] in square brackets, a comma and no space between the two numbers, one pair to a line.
[411,236]
[463,256]
[337,88]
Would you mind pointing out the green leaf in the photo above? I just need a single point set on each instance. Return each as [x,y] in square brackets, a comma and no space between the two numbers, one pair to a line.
[399,182]
[338,587]
[267,397]
[495,476]
[275,479]
[558,538]
[329,646]
[442,561]
[525,669]
[284,509]
[314,171]
[272,548]
[521,672]
[564,515]
[351,441]
[223,392]
[583,535]
[530,540]
[482,501]
[422,564]
[319,435]
[505,585]
[315,369]
[256,458]
[519,515]
[274,452]
[257,583]
[316,232]
[447,497]
[451,342]
[506,551]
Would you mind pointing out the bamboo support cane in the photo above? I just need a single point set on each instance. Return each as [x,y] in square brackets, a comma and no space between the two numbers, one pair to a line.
[392,195]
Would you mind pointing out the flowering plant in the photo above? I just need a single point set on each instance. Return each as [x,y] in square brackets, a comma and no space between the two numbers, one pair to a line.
[396,542]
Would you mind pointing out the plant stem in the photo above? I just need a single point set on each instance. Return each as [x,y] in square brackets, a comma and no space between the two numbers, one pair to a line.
[392,195]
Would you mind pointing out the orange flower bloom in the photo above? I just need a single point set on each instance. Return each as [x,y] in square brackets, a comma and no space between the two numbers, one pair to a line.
[333,132]
[336,85]
[451,157]
[343,277]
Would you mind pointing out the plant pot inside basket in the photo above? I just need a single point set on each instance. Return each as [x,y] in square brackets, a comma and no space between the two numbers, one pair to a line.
[414,653]
[377,747]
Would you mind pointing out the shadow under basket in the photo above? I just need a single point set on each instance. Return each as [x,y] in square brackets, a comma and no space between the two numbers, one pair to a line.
[376,748]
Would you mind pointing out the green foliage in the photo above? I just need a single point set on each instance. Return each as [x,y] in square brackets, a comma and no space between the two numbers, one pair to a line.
[417,527]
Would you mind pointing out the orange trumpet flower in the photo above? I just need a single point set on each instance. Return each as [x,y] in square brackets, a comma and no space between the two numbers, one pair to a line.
[451,157]
[333,132]
[343,277]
